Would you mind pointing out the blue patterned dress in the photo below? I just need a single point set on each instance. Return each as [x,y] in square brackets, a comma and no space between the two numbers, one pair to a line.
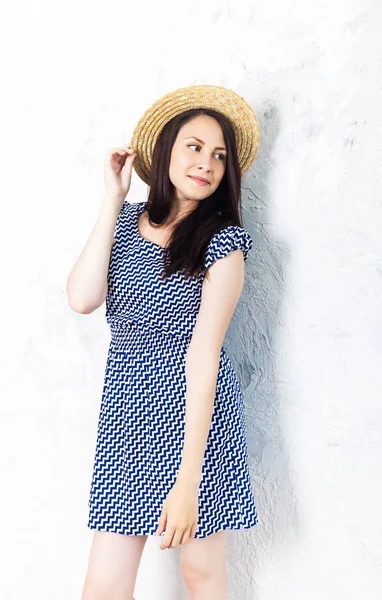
[142,414]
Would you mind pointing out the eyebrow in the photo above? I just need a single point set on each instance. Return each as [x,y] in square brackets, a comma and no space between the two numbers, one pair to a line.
[201,141]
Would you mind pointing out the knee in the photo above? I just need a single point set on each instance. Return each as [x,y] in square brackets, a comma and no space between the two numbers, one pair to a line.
[197,571]
[203,562]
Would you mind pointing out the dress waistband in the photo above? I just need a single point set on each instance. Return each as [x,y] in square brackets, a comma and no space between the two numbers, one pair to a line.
[121,329]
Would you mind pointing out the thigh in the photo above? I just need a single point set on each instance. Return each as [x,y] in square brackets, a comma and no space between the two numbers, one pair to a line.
[204,556]
[113,565]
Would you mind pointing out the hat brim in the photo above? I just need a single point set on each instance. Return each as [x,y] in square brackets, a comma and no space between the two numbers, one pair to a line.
[219,98]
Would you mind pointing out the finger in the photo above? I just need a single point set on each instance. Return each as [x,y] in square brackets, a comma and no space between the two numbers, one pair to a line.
[186,536]
[129,160]
[116,150]
[176,538]
[192,531]
[167,538]
[128,163]
[127,147]
[122,150]
[129,150]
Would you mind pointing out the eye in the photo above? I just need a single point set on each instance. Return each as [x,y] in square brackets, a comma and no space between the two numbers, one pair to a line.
[197,146]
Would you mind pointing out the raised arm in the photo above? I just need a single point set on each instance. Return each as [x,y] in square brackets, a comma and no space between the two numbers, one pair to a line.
[86,286]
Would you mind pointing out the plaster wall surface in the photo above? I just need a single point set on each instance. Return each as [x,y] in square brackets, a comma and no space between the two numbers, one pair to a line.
[306,337]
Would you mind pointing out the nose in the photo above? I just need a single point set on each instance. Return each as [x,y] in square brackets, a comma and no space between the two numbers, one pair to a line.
[205,164]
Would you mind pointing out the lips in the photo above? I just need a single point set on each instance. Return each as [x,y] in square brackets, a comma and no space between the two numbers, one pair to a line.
[199,179]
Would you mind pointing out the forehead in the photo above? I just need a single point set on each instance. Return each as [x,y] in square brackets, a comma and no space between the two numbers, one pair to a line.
[202,126]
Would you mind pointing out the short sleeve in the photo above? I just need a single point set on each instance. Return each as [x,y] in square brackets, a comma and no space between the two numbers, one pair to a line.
[225,241]
[120,219]
[126,214]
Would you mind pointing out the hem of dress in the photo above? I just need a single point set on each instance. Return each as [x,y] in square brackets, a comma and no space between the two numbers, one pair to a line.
[113,529]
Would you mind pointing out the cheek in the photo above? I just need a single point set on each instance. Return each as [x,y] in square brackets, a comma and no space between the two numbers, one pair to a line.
[185,161]
[221,171]
[182,162]
[179,170]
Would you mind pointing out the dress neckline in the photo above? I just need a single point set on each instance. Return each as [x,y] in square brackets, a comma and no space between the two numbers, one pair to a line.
[140,237]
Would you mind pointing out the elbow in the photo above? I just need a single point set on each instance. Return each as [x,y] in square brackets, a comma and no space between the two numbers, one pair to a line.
[81,305]
[83,309]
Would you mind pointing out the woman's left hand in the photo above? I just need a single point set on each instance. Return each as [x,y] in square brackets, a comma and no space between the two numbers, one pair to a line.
[179,515]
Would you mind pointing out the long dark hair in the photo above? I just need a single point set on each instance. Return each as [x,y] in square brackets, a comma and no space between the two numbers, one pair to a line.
[191,236]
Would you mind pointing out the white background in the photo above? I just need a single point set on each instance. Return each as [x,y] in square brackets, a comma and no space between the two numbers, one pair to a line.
[306,339]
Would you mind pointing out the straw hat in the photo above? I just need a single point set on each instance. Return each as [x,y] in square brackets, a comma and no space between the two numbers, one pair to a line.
[221,99]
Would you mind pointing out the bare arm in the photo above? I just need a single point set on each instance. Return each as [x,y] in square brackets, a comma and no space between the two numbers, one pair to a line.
[220,295]
[86,286]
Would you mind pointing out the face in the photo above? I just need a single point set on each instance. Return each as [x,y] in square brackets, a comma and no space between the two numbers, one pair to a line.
[198,151]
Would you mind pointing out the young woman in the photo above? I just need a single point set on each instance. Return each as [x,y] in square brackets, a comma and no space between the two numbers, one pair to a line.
[171,454]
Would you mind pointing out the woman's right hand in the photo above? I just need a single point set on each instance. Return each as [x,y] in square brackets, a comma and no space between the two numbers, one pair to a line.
[117,171]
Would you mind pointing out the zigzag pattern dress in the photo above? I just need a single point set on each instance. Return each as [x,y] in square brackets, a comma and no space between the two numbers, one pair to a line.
[142,414]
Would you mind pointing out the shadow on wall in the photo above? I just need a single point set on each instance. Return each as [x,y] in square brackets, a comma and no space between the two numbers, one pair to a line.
[251,343]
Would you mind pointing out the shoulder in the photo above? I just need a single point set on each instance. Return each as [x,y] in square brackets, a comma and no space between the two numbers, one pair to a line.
[127,216]
[129,209]
[232,237]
